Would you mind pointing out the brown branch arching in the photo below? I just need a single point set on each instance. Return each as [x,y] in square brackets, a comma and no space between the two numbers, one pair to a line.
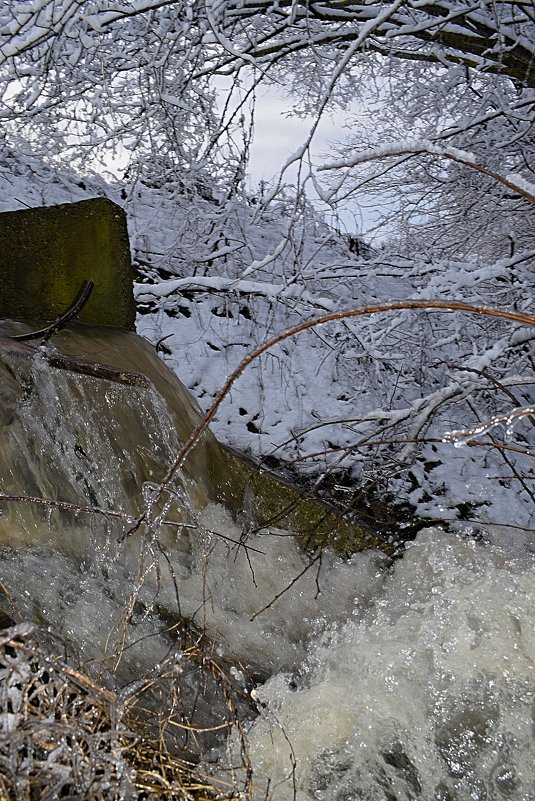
[426,305]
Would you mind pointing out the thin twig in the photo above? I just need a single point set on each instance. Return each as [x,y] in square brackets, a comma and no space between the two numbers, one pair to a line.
[288,586]
[493,380]
[73,507]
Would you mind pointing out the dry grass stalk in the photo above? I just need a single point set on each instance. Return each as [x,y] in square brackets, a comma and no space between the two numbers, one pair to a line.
[62,736]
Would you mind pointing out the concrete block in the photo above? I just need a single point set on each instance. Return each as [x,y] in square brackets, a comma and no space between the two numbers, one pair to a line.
[46,253]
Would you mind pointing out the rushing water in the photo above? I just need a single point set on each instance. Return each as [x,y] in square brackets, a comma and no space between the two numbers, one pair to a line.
[428,693]
[375,680]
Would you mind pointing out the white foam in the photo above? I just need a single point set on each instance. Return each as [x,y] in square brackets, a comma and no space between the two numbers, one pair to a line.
[431,696]
[227,587]
[414,682]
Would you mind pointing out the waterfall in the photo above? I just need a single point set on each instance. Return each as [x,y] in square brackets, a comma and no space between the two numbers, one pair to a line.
[93,451]
[359,677]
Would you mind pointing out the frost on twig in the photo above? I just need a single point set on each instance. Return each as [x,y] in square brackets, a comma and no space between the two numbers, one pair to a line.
[64,735]
[463,437]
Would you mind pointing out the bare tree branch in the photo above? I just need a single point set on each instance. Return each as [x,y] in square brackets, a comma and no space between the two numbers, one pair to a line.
[428,305]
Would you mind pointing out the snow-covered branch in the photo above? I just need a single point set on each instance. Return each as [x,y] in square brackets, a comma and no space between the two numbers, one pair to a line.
[482,35]
[222,267]
[145,293]
[514,182]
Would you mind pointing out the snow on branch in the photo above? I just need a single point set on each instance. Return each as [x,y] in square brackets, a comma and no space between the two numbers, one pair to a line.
[483,35]
[273,292]
[512,181]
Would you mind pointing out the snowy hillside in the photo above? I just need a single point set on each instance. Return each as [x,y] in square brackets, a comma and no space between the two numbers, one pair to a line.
[370,401]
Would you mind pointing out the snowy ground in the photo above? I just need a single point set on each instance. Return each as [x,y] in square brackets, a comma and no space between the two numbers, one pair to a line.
[215,279]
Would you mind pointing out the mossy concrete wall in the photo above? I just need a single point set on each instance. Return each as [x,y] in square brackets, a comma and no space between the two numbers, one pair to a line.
[275,503]
[46,253]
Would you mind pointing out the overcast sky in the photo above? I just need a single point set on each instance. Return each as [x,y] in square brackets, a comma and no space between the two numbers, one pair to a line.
[277,136]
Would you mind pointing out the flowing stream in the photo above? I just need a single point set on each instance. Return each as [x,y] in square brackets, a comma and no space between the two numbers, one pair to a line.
[428,693]
[361,680]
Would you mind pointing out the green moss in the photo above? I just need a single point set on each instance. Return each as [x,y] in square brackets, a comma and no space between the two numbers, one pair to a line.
[273,502]
[47,252]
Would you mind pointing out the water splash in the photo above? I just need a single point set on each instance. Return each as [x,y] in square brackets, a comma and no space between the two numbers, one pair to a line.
[430,695]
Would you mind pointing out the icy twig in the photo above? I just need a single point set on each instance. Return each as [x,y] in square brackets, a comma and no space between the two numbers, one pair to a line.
[462,436]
